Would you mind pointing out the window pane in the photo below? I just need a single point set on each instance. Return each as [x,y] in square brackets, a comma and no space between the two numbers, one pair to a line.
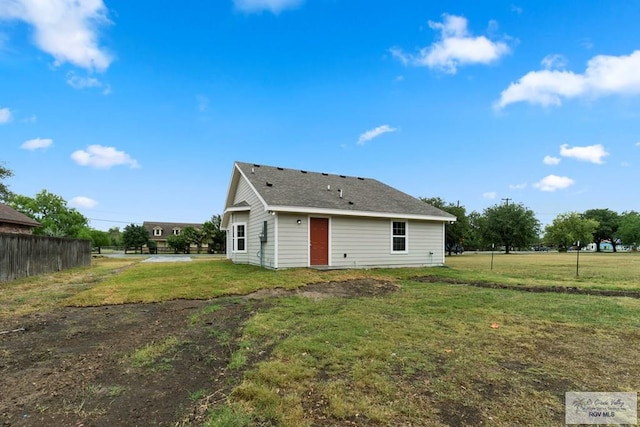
[241,244]
[399,228]
[241,231]
[399,244]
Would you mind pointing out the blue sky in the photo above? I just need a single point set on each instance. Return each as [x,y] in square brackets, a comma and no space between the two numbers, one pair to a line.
[135,111]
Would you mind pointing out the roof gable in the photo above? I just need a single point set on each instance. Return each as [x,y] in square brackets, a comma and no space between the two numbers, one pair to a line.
[282,188]
[12,216]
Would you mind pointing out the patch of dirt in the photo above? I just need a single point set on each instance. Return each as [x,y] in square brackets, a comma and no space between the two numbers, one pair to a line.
[74,366]
[523,288]
[355,288]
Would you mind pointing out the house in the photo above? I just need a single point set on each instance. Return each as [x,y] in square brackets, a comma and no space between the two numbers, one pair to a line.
[283,218]
[160,231]
[12,221]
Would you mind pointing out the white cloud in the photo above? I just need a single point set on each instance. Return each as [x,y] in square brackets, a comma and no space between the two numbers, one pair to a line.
[5,115]
[78,82]
[550,160]
[83,202]
[66,29]
[521,186]
[591,153]
[101,157]
[638,144]
[455,48]
[273,6]
[490,195]
[604,75]
[374,133]
[551,183]
[37,143]
[554,61]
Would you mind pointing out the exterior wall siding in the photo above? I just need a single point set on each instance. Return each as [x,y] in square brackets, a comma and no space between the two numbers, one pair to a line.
[257,253]
[366,242]
[293,241]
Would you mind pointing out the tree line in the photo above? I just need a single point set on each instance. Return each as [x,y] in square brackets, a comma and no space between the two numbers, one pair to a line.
[57,219]
[504,226]
[508,226]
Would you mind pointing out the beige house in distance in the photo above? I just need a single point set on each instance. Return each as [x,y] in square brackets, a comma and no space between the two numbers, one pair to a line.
[160,231]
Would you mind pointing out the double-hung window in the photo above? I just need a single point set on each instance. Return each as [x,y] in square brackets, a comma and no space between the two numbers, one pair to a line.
[398,237]
[239,237]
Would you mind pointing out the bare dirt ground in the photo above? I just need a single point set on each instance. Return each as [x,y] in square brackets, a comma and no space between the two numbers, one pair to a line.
[74,366]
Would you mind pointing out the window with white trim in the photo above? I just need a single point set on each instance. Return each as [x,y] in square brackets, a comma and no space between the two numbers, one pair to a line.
[240,237]
[157,231]
[176,231]
[398,237]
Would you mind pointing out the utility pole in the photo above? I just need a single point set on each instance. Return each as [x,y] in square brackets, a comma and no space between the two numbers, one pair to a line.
[507,200]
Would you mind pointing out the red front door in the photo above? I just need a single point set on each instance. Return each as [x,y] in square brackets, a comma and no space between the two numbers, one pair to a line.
[319,241]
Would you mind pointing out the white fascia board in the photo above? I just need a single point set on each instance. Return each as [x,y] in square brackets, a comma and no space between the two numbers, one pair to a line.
[321,211]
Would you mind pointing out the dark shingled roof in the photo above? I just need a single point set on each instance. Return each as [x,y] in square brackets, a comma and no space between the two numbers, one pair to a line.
[306,189]
[12,216]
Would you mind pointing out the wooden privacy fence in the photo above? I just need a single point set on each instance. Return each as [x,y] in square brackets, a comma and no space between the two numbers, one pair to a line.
[23,255]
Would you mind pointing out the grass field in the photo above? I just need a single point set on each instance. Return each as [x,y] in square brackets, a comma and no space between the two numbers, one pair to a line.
[432,353]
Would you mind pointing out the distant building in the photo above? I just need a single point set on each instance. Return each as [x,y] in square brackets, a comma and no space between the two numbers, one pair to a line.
[160,231]
[12,221]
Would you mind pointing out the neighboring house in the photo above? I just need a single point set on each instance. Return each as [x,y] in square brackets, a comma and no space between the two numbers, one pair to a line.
[160,231]
[12,221]
[284,218]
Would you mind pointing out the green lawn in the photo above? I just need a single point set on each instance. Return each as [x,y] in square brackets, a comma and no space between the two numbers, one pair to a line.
[429,354]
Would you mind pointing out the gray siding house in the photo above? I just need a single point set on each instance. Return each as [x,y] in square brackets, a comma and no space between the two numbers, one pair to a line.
[284,218]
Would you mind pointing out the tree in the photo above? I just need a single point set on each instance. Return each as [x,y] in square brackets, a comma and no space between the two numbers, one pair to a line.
[510,225]
[473,238]
[116,236]
[569,228]
[52,212]
[100,238]
[192,236]
[178,242]
[454,232]
[629,229]
[608,222]
[212,234]
[135,236]
[5,173]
